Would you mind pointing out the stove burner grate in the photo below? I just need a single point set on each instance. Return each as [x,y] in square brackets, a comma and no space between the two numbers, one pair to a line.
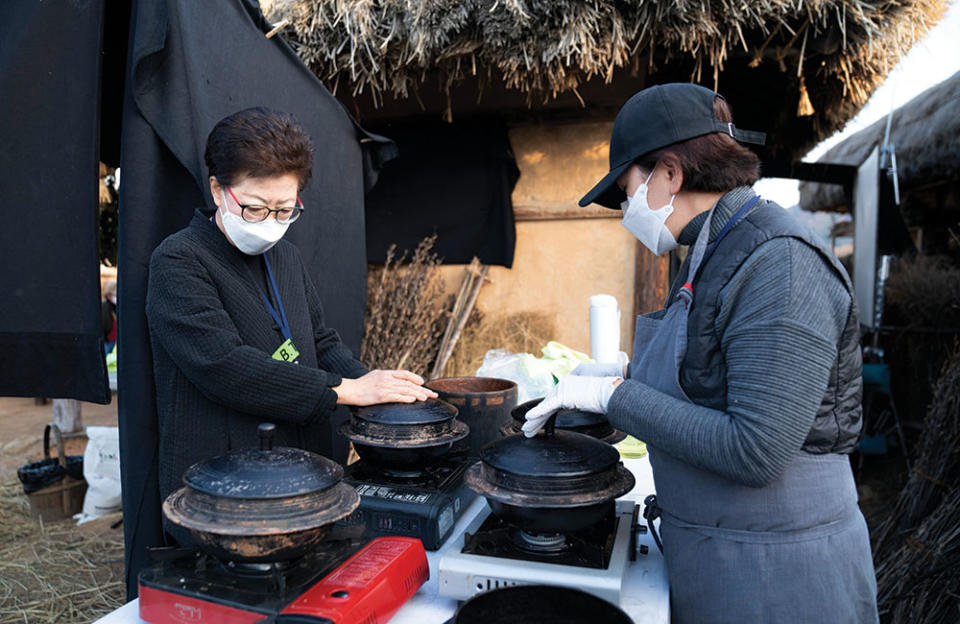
[588,548]
[540,543]
[255,569]
[267,583]
[405,475]
[434,477]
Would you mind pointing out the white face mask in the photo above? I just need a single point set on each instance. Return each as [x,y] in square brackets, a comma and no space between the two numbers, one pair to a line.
[250,238]
[649,226]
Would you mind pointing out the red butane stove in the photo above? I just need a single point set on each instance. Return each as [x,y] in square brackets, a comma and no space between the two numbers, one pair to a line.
[341,582]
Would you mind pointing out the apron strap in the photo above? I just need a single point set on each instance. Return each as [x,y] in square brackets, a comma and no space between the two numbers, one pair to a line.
[739,214]
[701,253]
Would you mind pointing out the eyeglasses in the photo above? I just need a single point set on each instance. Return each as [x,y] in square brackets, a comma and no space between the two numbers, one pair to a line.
[254,214]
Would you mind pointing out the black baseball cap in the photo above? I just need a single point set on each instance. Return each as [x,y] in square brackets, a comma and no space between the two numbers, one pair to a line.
[655,118]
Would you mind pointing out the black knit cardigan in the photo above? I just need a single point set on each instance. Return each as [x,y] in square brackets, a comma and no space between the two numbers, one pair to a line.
[213,337]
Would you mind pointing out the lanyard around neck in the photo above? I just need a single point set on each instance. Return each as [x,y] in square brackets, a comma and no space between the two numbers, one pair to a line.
[279,316]
[696,265]
[728,226]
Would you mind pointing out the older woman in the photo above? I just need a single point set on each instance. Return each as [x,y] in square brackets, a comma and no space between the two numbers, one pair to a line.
[236,323]
[746,386]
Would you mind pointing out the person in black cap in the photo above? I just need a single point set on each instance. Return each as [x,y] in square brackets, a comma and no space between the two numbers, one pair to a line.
[746,387]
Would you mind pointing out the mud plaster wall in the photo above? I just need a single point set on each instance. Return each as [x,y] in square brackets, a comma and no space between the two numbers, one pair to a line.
[564,254]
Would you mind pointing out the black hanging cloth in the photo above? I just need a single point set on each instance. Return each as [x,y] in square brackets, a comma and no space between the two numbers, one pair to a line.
[191,64]
[453,180]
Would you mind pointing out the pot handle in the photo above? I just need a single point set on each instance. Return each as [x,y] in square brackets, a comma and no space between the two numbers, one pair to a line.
[550,424]
[266,431]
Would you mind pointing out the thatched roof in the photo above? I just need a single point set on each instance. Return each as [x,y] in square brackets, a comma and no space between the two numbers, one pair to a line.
[926,135]
[546,50]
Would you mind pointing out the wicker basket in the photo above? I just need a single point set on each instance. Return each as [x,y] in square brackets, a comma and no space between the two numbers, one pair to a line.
[64,498]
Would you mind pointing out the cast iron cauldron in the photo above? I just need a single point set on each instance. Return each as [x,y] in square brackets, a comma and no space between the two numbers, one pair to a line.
[404,436]
[555,482]
[261,505]
[589,423]
[484,404]
[523,604]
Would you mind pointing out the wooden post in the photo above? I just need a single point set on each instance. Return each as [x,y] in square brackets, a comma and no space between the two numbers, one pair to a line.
[651,281]
[66,415]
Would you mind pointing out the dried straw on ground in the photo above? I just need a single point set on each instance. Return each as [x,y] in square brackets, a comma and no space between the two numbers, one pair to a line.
[405,318]
[828,54]
[917,548]
[55,573]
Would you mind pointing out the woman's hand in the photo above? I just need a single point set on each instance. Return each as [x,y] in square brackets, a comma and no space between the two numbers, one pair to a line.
[610,369]
[590,394]
[383,386]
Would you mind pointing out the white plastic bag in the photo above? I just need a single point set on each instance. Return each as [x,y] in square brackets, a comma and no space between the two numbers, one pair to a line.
[101,469]
[522,368]
[535,377]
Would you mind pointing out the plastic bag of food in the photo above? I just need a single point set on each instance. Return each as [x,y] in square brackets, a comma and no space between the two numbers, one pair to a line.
[101,469]
[534,376]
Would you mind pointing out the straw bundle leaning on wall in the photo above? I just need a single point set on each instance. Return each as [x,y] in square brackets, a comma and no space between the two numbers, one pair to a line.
[405,316]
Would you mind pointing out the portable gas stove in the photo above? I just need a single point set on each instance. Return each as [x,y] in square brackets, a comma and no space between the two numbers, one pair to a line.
[342,581]
[492,554]
[423,503]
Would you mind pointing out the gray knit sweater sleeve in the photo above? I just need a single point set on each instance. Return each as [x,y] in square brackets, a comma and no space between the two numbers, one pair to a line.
[779,320]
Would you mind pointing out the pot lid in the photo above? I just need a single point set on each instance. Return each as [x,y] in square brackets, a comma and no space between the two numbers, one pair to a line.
[550,454]
[266,472]
[431,411]
[566,418]
[603,431]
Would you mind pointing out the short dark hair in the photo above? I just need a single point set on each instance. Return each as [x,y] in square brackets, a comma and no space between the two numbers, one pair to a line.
[258,143]
[712,162]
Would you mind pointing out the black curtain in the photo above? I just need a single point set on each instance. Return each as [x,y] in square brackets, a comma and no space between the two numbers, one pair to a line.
[51,342]
[452,180]
[190,64]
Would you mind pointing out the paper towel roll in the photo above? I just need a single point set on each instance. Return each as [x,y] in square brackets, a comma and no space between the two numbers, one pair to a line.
[604,329]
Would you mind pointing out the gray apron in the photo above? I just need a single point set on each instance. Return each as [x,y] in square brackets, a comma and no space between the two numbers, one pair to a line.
[796,550]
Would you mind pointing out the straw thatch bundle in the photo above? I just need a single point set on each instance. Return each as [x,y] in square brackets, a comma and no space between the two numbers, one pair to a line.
[405,314]
[917,548]
[831,53]
[926,134]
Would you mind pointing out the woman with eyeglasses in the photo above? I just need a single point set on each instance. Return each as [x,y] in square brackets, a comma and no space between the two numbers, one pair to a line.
[236,324]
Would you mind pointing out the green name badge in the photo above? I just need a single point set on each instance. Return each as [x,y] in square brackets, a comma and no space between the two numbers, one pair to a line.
[286,352]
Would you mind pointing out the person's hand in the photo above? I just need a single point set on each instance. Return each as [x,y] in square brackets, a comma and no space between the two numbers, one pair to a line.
[608,369]
[383,386]
[590,394]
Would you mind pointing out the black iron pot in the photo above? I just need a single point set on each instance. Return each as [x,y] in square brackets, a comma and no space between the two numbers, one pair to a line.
[404,436]
[261,505]
[555,482]
[484,404]
[588,423]
[523,604]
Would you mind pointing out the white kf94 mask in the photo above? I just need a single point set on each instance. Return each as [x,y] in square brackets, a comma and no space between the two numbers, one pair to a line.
[649,226]
[251,238]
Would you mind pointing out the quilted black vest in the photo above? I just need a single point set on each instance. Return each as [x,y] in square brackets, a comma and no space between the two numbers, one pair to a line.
[703,373]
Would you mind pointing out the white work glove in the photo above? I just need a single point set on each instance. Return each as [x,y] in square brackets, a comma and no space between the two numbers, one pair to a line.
[590,394]
[608,369]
